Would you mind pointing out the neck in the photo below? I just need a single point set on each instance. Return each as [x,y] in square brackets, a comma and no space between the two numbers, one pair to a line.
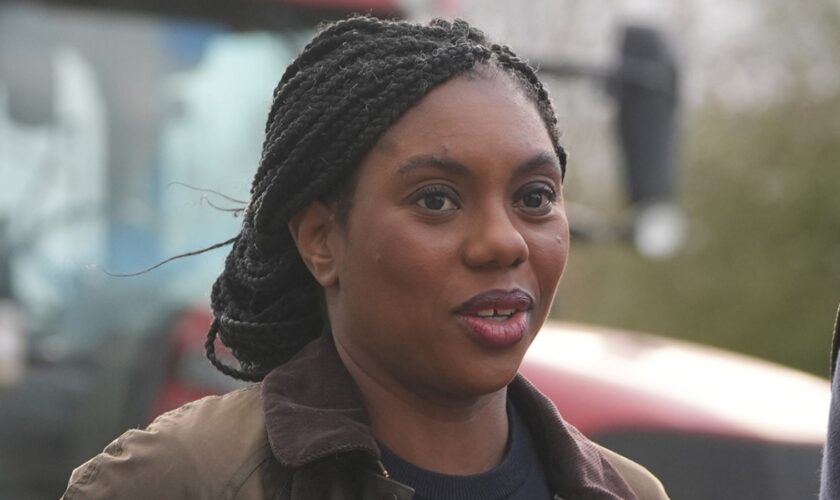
[457,436]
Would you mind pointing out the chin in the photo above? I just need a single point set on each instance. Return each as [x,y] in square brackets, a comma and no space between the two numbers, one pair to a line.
[491,376]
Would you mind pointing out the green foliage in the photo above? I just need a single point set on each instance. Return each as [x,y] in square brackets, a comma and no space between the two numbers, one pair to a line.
[761,274]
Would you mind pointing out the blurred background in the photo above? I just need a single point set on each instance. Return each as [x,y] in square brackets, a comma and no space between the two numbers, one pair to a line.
[703,185]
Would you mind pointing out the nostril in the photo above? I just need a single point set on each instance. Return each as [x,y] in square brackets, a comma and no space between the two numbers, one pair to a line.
[494,241]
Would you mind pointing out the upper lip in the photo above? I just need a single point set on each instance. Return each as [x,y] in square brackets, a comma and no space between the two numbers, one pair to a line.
[515,299]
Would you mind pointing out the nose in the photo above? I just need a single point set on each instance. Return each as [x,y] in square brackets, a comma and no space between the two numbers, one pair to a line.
[493,241]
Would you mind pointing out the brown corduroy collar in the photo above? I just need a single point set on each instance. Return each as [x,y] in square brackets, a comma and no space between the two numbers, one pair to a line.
[313,409]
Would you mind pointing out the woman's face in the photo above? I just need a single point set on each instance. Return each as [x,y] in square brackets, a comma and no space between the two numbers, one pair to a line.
[455,242]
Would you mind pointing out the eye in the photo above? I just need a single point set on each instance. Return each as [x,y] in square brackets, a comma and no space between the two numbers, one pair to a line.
[437,199]
[536,198]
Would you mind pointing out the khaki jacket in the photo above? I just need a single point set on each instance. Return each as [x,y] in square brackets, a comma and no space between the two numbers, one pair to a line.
[295,437]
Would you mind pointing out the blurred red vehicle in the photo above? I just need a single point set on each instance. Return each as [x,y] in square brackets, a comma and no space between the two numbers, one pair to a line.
[709,423]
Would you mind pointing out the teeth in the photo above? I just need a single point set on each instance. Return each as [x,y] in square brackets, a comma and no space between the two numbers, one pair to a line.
[489,313]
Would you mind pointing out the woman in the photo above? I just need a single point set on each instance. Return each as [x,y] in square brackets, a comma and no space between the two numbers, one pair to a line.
[402,247]
[830,477]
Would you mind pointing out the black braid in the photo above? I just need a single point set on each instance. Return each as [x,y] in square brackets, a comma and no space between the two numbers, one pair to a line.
[348,85]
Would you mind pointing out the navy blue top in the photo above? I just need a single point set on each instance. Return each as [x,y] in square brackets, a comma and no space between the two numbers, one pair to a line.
[519,476]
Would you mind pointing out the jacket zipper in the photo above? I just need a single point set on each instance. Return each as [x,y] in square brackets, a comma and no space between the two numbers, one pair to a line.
[382,469]
[385,473]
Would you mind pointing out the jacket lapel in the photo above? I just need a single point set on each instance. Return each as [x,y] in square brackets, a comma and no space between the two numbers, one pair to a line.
[574,466]
[313,409]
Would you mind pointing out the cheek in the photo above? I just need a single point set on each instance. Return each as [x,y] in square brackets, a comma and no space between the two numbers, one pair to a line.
[404,259]
[549,253]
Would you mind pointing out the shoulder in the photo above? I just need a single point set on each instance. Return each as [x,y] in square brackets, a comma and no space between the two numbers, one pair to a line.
[641,481]
[204,449]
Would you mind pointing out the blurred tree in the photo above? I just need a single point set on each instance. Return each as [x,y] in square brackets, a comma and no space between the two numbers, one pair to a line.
[762,272]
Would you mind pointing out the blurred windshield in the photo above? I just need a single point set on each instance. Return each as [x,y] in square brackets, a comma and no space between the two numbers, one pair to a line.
[109,123]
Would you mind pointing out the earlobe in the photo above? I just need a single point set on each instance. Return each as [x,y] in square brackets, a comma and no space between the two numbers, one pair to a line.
[311,229]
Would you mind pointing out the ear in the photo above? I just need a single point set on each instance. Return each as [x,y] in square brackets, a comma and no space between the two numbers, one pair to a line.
[311,230]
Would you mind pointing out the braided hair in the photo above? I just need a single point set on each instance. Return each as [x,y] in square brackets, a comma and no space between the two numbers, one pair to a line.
[348,85]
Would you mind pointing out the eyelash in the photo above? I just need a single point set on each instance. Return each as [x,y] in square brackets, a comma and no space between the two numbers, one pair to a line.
[440,191]
[548,193]
[542,188]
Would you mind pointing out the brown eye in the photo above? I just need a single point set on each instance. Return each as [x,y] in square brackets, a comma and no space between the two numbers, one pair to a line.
[433,202]
[437,199]
[536,198]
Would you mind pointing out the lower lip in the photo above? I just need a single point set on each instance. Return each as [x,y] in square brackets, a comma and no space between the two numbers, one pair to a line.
[496,333]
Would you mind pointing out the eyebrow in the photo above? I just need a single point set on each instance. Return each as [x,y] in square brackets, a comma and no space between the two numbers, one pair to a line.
[446,164]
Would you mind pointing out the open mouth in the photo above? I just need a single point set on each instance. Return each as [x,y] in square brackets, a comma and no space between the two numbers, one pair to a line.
[497,318]
[497,303]
[497,330]
[495,314]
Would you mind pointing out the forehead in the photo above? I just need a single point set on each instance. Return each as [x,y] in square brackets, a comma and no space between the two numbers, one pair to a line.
[468,115]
